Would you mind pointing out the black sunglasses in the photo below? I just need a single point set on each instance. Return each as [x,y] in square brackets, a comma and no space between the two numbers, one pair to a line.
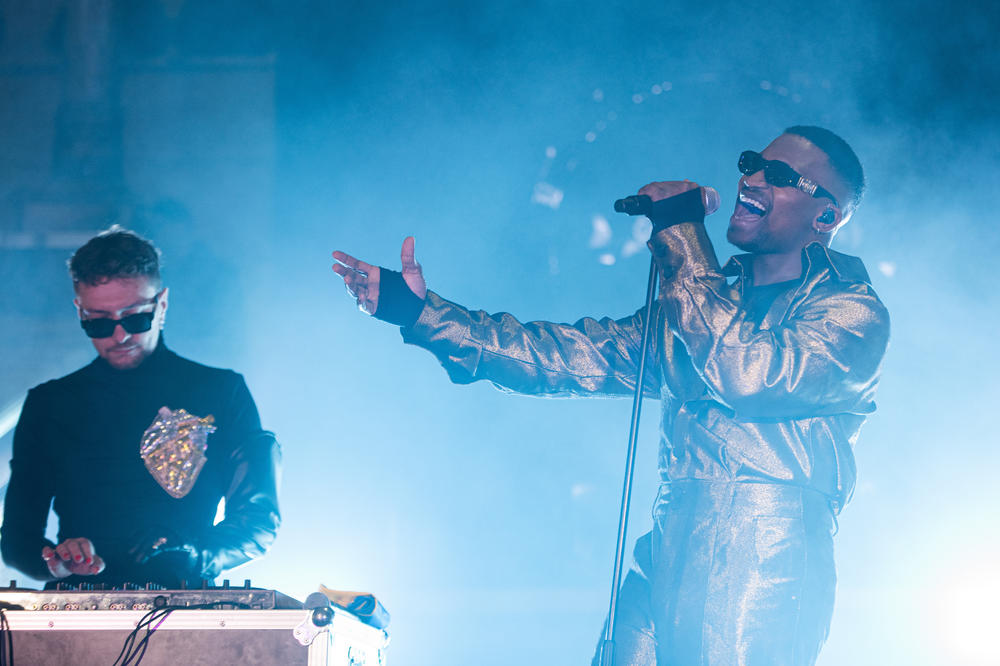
[779,174]
[104,327]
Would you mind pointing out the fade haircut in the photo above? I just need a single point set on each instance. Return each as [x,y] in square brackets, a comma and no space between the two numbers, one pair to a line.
[842,158]
[113,254]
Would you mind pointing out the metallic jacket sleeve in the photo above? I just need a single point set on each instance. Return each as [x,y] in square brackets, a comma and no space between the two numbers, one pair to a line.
[29,493]
[252,515]
[539,358]
[823,357]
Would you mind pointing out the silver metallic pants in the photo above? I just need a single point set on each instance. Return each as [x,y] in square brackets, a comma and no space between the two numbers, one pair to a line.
[733,574]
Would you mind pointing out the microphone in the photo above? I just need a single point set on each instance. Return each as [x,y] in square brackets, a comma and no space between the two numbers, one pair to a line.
[641,204]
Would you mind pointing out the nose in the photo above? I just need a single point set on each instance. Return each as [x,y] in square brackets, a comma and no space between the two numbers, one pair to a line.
[120,335]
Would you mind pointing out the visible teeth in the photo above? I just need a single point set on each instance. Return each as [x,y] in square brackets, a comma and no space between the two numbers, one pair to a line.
[753,203]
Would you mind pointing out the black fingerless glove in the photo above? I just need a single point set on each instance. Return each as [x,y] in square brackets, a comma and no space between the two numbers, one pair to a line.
[684,207]
[396,303]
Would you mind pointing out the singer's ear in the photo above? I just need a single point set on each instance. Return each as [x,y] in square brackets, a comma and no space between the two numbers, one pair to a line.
[828,220]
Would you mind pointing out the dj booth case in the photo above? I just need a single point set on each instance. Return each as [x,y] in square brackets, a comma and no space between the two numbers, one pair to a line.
[195,637]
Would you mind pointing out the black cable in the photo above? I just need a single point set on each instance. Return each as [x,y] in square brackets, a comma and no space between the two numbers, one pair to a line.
[129,649]
[132,652]
[154,618]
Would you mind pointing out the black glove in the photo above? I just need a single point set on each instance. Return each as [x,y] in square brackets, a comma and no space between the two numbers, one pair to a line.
[396,303]
[684,207]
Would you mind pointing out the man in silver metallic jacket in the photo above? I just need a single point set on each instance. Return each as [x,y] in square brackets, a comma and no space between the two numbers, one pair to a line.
[764,384]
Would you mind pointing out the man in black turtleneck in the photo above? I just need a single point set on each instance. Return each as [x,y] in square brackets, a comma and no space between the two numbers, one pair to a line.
[136,449]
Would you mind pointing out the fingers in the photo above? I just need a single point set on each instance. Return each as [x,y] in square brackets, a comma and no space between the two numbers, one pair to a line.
[350,263]
[350,268]
[666,189]
[360,279]
[347,269]
[55,564]
[413,274]
[359,286]
[97,565]
[69,551]
[87,550]
[406,257]
[367,291]
[75,551]
[73,556]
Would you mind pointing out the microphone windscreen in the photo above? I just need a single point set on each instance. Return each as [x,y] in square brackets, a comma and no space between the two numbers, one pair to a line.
[710,198]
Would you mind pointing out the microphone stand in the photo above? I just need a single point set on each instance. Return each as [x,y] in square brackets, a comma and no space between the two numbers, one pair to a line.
[608,644]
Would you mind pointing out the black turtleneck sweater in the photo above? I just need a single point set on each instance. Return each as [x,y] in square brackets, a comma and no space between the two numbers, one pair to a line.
[77,445]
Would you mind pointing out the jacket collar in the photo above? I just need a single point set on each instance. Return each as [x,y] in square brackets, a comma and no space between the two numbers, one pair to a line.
[817,259]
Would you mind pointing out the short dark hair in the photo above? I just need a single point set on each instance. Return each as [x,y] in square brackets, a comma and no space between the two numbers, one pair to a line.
[842,158]
[115,253]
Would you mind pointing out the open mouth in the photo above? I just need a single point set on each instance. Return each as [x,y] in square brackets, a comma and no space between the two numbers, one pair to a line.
[752,204]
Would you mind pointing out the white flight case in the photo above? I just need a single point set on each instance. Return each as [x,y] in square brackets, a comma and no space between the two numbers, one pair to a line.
[196,637]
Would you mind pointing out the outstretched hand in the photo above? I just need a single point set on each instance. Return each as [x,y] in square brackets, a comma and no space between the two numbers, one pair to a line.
[73,556]
[362,279]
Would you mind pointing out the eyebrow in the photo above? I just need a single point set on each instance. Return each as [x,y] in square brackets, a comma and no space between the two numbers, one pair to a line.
[145,301]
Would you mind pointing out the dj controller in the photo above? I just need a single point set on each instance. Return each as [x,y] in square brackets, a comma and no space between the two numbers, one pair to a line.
[143,597]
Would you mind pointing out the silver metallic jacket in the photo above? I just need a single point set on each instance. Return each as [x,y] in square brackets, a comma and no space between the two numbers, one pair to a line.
[779,402]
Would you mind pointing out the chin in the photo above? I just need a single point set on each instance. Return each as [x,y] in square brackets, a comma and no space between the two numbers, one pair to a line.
[125,362]
[740,241]
[754,241]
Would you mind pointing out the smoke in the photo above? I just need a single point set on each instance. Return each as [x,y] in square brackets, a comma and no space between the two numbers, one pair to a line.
[359,123]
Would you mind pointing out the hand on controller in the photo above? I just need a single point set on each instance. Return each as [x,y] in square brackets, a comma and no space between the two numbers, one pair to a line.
[74,556]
